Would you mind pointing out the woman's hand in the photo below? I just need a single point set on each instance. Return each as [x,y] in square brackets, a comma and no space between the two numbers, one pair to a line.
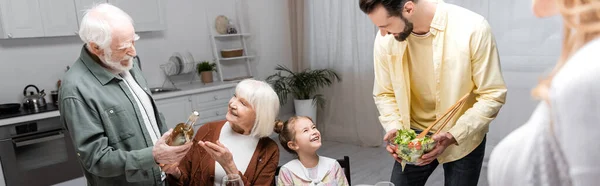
[221,154]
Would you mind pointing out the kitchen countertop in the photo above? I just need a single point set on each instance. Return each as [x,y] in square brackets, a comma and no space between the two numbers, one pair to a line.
[193,89]
[25,115]
[52,111]
[23,111]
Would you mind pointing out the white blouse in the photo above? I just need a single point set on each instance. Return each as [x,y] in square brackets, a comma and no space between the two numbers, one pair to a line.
[242,148]
[559,143]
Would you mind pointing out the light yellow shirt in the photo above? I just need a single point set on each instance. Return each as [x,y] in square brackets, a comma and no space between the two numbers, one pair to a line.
[422,81]
[465,59]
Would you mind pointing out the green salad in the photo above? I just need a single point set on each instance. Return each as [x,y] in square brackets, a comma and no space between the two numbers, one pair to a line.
[410,148]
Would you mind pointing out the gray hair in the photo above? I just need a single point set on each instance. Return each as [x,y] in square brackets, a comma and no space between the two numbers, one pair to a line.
[265,102]
[96,24]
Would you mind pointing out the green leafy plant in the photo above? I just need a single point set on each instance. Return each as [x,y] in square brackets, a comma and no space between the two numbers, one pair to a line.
[302,85]
[206,66]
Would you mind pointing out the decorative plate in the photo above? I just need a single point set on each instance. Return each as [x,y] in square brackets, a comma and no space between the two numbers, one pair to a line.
[221,23]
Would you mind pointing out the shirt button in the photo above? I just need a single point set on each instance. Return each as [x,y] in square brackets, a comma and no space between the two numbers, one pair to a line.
[111,111]
[78,154]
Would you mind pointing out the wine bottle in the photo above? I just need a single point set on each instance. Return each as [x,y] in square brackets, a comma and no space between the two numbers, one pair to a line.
[183,132]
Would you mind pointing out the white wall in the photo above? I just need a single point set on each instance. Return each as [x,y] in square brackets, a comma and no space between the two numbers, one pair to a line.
[528,47]
[21,60]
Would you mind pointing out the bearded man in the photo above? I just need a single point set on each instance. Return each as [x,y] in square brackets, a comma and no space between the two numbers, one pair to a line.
[427,55]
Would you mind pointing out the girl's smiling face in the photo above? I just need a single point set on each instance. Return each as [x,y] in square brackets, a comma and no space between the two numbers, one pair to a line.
[307,137]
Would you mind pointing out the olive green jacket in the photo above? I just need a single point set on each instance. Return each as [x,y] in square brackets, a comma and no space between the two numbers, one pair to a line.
[106,125]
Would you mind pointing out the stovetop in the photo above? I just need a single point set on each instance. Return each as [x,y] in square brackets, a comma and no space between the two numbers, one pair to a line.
[24,111]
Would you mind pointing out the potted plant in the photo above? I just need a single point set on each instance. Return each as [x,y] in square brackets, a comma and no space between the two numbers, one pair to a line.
[303,86]
[205,70]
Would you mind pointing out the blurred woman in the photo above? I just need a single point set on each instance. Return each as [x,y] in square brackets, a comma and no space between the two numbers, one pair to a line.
[557,146]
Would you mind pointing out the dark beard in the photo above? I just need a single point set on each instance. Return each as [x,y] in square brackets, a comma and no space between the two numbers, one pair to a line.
[408,28]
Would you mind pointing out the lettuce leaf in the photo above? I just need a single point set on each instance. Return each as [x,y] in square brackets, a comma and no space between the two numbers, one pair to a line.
[403,137]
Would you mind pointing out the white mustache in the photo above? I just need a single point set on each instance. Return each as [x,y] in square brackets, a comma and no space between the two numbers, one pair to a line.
[127,57]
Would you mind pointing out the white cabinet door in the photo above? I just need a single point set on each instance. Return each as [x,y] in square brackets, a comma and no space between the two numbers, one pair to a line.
[21,18]
[212,105]
[212,99]
[212,114]
[38,18]
[176,110]
[82,5]
[147,15]
[58,17]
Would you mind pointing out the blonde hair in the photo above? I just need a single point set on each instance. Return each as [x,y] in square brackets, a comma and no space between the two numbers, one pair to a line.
[581,19]
[265,103]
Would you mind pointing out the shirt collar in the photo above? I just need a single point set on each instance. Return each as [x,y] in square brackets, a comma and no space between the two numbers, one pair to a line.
[438,24]
[323,169]
[92,63]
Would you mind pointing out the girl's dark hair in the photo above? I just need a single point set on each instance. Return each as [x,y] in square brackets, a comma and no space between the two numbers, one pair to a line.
[393,7]
[286,131]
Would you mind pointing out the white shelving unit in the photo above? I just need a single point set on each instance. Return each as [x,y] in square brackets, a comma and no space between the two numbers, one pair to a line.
[235,58]
[231,35]
[247,58]
[218,39]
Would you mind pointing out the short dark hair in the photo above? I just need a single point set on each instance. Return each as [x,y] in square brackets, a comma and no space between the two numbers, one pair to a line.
[393,7]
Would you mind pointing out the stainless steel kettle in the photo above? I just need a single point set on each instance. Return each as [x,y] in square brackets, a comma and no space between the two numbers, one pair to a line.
[34,100]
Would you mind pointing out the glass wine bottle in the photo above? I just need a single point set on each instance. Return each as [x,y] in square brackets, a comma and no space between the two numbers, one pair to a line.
[183,132]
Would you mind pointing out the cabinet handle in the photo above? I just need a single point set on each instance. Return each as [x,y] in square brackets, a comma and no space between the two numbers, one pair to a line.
[217,113]
[216,97]
[10,36]
[76,33]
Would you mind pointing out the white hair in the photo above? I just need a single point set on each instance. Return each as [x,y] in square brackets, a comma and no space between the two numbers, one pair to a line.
[96,24]
[265,102]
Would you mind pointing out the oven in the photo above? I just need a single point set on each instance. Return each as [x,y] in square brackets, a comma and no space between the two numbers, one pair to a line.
[37,153]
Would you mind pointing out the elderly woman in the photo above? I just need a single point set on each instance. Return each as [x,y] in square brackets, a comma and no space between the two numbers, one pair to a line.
[238,145]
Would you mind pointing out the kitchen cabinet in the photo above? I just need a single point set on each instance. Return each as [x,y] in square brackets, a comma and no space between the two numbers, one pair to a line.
[50,18]
[175,110]
[58,18]
[210,104]
[37,18]
[148,15]
[21,18]
[82,5]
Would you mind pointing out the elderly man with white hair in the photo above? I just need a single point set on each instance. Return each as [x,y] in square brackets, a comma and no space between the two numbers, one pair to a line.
[108,110]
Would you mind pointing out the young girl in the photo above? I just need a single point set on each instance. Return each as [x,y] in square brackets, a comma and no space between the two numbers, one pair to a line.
[300,136]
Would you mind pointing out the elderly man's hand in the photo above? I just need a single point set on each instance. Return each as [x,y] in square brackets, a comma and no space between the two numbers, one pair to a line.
[165,154]
[172,169]
[390,147]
